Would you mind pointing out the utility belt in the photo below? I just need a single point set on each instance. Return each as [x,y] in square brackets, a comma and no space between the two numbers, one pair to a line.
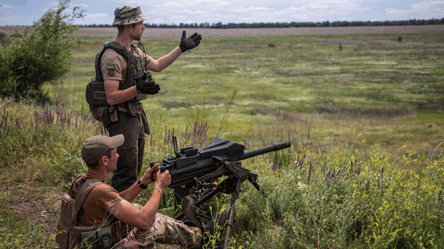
[97,236]
[109,114]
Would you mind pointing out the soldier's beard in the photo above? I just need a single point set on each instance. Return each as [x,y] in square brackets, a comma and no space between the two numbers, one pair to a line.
[137,37]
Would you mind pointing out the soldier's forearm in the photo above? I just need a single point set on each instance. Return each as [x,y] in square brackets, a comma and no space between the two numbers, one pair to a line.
[131,193]
[150,209]
[115,96]
[166,60]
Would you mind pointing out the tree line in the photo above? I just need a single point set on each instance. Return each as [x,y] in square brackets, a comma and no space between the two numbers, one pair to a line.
[220,25]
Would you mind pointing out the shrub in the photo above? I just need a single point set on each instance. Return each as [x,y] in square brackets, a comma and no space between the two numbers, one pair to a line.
[41,54]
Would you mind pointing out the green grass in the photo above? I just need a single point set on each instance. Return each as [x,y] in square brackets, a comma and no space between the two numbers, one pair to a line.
[371,81]
[365,123]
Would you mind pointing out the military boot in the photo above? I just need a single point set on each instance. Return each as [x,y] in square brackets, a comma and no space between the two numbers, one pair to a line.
[189,211]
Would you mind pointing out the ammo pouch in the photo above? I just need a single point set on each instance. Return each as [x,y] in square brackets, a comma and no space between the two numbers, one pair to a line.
[98,112]
[100,238]
[134,108]
[95,93]
[96,98]
[91,236]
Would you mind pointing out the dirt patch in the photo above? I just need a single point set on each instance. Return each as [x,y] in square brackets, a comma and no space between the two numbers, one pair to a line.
[36,204]
[174,33]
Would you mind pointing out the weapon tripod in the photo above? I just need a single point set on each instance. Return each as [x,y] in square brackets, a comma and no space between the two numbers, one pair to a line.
[231,185]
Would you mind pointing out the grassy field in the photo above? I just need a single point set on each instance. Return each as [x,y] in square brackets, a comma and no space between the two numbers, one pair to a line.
[328,86]
[363,113]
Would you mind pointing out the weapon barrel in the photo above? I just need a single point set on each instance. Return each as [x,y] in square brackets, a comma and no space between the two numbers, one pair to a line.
[270,148]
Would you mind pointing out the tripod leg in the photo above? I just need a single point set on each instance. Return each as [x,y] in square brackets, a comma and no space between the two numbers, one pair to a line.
[200,201]
[252,178]
[231,217]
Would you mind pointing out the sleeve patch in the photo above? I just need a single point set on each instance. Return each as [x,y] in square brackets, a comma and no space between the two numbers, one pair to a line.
[110,66]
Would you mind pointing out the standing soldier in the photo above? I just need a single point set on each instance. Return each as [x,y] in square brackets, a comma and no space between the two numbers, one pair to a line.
[125,85]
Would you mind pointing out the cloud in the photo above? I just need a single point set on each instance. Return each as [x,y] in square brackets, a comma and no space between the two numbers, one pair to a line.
[97,18]
[172,5]
[208,2]
[251,10]
[236,11]
[420,10]
[202,1]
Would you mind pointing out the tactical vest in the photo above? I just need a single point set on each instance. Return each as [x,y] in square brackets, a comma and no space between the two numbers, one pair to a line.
[70,235]
[95,91]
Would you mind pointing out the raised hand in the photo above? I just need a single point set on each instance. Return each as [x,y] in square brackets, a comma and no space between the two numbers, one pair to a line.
[190,42]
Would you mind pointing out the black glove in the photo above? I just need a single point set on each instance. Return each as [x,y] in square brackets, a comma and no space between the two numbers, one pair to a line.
[147,87]
[190,42]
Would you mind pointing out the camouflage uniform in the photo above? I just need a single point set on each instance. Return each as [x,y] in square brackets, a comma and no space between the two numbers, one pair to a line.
[163,230]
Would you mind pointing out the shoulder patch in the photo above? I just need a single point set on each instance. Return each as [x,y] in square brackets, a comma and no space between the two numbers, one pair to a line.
[110,66]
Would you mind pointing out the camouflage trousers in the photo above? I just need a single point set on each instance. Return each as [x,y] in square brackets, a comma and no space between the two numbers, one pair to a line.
[163,230]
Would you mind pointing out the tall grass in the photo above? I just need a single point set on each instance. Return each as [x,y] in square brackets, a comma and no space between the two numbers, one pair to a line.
[333,200]
[315,199]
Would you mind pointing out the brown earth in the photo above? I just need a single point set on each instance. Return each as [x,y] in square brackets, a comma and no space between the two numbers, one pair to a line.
[173,33]
[40,206]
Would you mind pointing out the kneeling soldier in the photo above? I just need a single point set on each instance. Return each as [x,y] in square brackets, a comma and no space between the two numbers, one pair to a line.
[95,214]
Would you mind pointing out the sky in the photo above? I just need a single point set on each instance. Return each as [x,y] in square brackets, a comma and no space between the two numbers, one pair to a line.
[24,12]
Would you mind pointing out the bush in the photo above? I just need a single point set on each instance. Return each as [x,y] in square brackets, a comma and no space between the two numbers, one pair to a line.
[41,54]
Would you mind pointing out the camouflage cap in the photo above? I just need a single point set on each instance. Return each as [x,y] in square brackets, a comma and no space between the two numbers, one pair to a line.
[96,147]
[125,15]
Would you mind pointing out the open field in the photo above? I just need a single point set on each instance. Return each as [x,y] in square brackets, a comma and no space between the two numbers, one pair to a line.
[173,33]
[328,84]
[363,110]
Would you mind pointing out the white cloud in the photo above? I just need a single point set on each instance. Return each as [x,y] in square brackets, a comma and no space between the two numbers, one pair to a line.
[196,12]
[418,10]
[251,10]
[202,1]
[172,5]
[223,3]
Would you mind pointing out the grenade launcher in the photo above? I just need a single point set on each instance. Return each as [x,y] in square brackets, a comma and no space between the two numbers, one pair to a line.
[194,170]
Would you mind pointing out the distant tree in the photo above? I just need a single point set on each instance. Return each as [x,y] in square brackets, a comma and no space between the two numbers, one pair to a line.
[41,54]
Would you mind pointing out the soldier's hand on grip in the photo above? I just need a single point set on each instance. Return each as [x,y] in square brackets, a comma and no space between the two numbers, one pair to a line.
[190,42]
[148,87]
[163,179]
[150,174]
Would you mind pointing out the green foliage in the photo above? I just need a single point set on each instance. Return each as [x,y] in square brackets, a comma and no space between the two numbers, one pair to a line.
[18,232]
[344,203]
[400,38]
[41,54]
[41,135]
